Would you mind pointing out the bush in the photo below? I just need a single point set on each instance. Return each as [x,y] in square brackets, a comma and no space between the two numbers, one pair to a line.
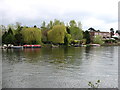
[98,40]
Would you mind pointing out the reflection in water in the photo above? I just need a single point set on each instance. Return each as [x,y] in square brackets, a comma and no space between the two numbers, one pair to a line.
[87,50]
[60,67]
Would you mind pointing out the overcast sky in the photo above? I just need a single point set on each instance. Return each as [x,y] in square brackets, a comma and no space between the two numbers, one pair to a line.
[99,14]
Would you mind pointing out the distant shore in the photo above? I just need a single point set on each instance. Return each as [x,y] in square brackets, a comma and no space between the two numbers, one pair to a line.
[56,46]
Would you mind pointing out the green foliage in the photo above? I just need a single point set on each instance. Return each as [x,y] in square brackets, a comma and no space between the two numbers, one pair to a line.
[110,41]
[10,31]
[98,40]
[53,23]
[96,85]
[57,34]
[18,36]
[18,39]
[72,23]
[76,33]
[87,37]
[8,37]
[50,36]
[67,39]
[58,22]
[31,35]
[44,35]
[84,41]
[50,25]
[4,37]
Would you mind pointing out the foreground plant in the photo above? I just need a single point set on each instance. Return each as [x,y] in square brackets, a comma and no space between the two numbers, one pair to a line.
[94,85]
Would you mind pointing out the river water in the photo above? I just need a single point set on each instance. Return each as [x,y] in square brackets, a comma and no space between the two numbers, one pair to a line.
[60,67]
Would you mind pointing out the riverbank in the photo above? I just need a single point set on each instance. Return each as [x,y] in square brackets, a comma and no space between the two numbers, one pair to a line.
[56,46]
[111,44]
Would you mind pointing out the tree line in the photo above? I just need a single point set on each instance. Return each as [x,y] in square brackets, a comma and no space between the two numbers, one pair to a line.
[54,32]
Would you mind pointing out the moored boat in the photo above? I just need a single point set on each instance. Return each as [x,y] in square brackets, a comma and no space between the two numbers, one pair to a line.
[94,44]
[32,46]
[16,47]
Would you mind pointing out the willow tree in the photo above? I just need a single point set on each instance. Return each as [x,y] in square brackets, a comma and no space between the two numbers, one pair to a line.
[31,35]
[57,34]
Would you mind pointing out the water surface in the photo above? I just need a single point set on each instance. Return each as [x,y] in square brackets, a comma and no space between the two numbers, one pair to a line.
[60,67]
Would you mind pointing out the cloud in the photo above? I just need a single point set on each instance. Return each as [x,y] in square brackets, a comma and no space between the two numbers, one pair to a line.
[97,13]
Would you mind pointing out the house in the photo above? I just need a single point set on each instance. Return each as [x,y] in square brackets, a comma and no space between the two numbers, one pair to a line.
[117,34]
[104,35]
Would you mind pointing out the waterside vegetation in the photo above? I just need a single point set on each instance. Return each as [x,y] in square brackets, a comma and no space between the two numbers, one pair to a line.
[54,34]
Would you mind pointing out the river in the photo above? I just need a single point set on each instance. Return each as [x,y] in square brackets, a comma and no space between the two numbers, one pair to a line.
[71,67]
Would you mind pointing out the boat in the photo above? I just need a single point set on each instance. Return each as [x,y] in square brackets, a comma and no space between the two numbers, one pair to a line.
[76,45]
[83,45]
[17,47]
[54,46]
[31,46]
[94,44]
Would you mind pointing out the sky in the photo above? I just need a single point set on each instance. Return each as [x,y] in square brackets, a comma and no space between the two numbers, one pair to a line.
[99,14]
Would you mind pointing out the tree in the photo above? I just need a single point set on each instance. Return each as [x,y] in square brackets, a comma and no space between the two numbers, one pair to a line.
[4,37]
[50,25]
[18,39]
[10,31]
[111,31]
[98,40]
[92,29]
[67,39]
[72,23]
[118,31]
[44,36]
[76,33]
[35,26]
[43,24]
[31,35]
[57,34]
[56,22]
[87,37]
[8,38]
[68,30]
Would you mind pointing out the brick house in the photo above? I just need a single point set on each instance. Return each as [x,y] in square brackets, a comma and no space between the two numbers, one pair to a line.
[104,35]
